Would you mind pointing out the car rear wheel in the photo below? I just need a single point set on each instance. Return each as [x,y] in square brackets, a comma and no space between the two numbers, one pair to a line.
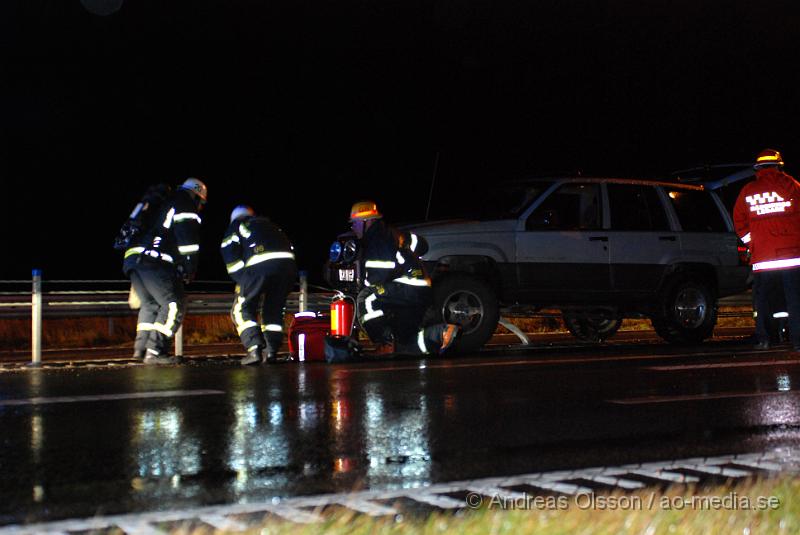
[687,312]
[591,328]
[469,303]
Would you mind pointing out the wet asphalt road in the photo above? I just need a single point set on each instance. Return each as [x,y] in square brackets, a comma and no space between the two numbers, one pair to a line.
[81,441]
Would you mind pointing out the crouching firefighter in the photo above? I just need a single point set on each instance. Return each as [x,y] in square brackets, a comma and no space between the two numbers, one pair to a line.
[397,291]
[259,258]
[161,256]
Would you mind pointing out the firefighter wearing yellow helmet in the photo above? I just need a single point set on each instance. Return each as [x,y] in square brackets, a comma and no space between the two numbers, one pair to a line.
[767,219]
[397,290]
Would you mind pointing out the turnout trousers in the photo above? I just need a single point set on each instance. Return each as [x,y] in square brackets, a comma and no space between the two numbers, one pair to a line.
[768,288]
[397,315]
[263,289]
[163,304]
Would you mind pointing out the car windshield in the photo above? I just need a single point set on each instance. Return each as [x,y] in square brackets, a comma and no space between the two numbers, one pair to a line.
[504,201]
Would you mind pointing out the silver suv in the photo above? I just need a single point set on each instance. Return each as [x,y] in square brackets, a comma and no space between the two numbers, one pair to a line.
[598,249]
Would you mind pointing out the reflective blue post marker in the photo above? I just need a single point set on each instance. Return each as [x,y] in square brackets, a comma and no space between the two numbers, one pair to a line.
[302,304]
[36,318]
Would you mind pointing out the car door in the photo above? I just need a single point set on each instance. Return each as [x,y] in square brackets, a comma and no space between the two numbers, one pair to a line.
[641,241]
[562,249]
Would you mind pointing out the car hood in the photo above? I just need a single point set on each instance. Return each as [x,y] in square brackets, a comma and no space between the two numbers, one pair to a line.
[457,226]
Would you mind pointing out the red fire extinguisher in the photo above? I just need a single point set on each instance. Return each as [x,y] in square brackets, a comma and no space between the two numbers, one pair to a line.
[341,316]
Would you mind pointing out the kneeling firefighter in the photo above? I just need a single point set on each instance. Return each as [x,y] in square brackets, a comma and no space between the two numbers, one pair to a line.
[397,292]
[259,258]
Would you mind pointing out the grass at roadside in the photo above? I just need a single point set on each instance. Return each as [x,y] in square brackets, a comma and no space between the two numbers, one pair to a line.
[773,508]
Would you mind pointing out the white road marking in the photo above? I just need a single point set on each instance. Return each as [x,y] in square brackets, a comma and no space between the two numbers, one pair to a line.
[108,397]
[364,501]
[437,500]
[665,476]
[627,484]
[367,507]
[679,367]
[716,470]
[698,397]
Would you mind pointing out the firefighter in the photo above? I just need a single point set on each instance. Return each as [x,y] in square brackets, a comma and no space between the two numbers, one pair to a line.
[767,219]
[397,291]
[259,258]
[160,260]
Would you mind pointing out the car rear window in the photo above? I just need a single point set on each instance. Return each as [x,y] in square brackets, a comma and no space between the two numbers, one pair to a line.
[697,211]
[636,207]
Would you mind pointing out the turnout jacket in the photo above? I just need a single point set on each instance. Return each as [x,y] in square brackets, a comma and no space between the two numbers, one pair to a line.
[173,236]
[391,255]
[251,241]
[767,219]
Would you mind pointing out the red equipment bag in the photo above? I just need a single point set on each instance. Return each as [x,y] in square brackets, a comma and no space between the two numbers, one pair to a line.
[307,336]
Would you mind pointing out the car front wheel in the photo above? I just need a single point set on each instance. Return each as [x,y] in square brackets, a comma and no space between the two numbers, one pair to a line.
[687,312]
[469,303]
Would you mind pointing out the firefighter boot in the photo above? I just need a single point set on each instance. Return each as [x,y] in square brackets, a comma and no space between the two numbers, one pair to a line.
[254,356]
[274,340]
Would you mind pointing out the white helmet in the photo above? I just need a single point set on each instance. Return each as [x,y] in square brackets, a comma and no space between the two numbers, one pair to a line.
[241,211]
[197,187]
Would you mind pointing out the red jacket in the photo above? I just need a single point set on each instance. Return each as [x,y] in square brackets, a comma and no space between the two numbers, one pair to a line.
[767,219]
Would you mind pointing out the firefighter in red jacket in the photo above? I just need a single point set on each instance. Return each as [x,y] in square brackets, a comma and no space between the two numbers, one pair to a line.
[767,218]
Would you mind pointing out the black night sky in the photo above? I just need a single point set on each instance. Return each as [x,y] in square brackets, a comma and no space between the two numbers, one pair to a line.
[301,107]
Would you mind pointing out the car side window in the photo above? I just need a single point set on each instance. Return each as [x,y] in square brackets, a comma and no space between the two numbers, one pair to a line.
[636,207]
[570,207]
[697,211]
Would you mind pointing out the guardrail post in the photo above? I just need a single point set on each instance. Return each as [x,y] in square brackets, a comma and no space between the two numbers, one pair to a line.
[36,318]
[179,342]
[303,298]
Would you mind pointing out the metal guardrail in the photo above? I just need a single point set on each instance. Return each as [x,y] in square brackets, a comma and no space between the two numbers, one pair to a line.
[114,302]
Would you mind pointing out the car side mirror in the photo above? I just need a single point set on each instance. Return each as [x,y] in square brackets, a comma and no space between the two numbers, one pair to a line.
[547,219]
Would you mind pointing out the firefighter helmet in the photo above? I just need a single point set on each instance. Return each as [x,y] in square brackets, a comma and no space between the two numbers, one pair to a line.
[197,187]
[364,210]
[768,157]
[241,211]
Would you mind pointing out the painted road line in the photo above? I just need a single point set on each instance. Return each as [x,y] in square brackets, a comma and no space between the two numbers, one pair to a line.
[761,465]
[626,484]
[557,360]
[678,367]
[367,507]
[562,488]
[108,397]
[138,528]
[437,500]
[662,475]
[716,470]
[293,509]
[698,397]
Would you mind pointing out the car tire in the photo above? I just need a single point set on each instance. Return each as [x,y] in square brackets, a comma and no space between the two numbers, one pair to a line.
[591,329]
[469,303]
[687,312]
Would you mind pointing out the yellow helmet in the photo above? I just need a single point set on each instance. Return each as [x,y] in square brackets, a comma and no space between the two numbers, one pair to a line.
[364,210]
[768,157]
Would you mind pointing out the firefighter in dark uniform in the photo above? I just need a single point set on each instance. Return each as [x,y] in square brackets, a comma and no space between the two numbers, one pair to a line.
[767,219]
[397,291]
[259,258]
[160,260]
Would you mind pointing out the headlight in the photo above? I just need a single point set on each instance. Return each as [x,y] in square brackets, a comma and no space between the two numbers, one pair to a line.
[335,251]
[350,251]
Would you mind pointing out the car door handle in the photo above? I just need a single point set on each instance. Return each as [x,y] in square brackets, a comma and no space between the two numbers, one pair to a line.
[598,238]
[667,238]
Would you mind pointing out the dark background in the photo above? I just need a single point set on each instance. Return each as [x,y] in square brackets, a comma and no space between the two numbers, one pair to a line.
[301,107]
